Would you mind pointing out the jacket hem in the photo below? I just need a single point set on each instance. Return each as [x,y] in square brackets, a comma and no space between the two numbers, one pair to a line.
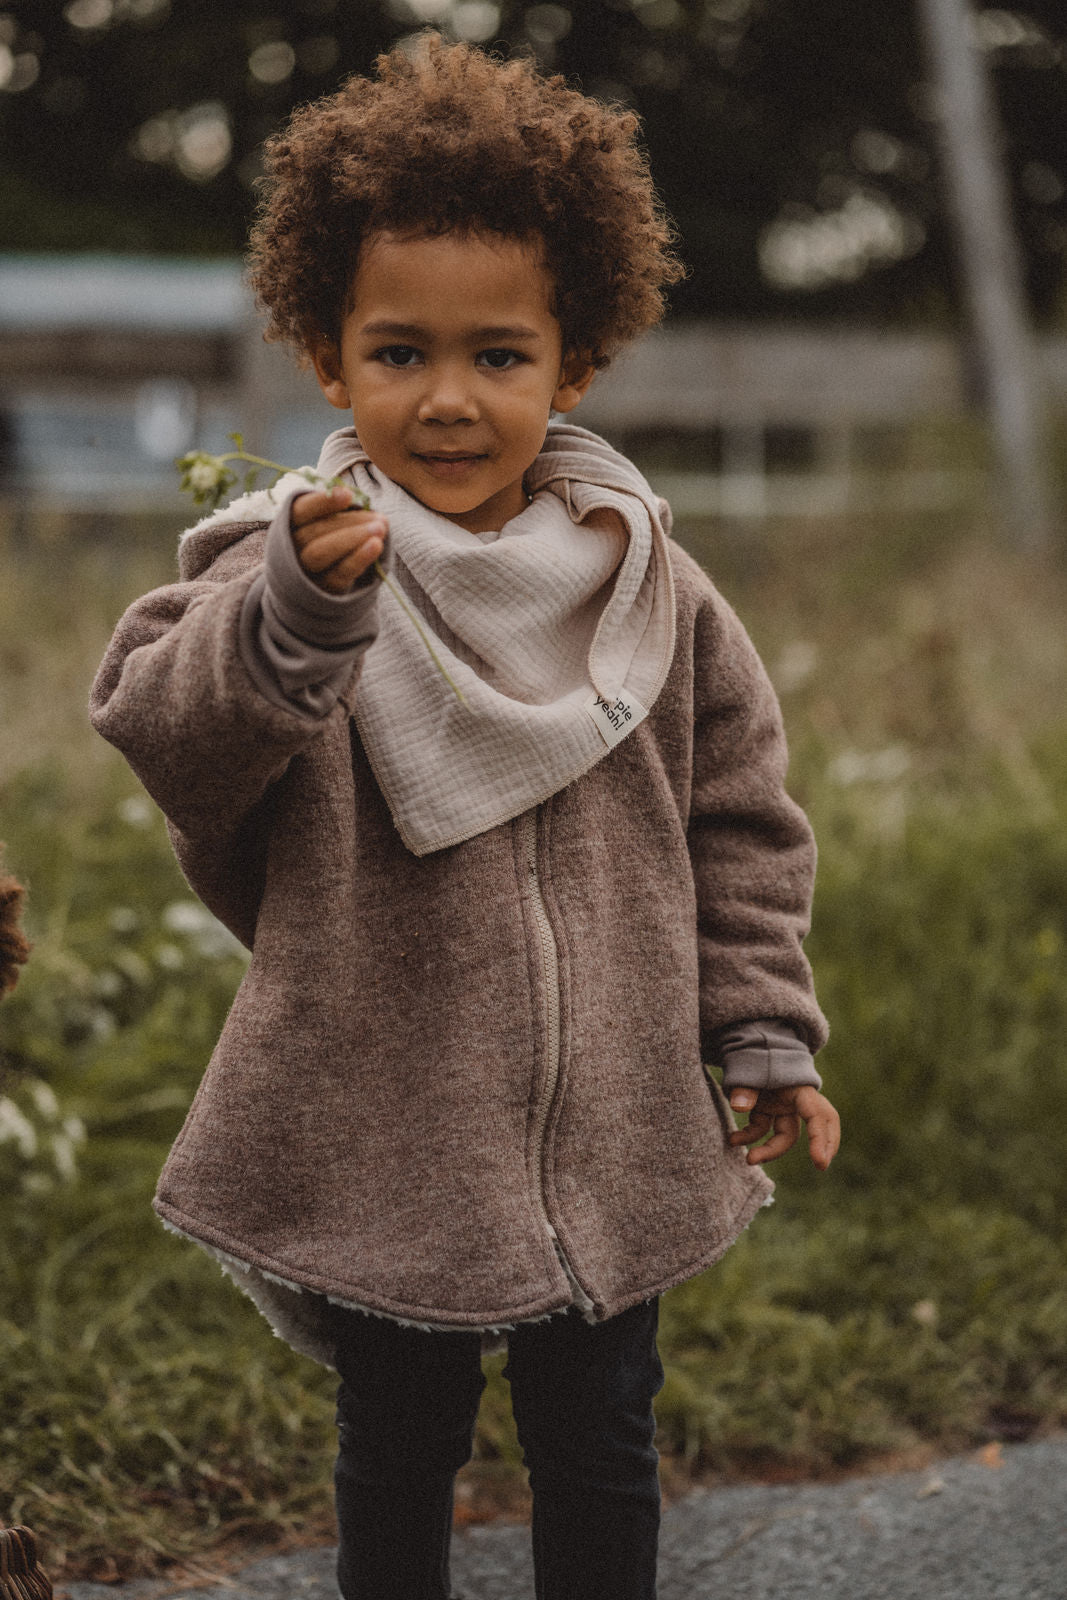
[294,1309]
[738,1223]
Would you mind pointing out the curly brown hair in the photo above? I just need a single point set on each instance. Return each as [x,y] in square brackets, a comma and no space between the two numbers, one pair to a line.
[14,946]
[449,138]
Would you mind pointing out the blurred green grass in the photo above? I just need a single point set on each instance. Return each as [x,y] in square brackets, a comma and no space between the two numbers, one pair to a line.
[913,1297]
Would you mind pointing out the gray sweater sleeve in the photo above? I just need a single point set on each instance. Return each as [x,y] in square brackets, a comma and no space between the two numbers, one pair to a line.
[298,642]
[763,1055]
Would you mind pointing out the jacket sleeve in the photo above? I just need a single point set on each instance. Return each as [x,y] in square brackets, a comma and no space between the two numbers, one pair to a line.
[762,1055]
[210,687]
[298,642]
[753,856]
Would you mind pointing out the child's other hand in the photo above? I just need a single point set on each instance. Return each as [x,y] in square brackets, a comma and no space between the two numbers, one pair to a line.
[783,1110]
[335,546]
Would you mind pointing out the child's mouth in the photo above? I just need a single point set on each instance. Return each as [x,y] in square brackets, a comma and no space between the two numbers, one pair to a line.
[444,464]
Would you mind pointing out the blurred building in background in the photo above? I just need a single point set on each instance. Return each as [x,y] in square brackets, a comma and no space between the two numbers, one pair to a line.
[113,366]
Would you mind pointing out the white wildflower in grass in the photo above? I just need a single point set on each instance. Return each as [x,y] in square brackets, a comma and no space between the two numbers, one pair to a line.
[16,1129]
[187,916]
[873,766]
[43,1142]
[136,811]
[100,1024]
[795,666]
[925,1313]
[65,1142]
[207,478]
[44,1098]
[204,932]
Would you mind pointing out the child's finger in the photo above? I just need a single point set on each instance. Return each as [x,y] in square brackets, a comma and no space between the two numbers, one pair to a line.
[786,1133]
[342,523]
[335,544]
[347,572]
[350,567]
[824,1136]
[757,1127]
[319,503]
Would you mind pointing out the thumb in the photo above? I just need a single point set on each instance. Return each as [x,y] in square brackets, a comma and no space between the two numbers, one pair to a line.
[743,1099]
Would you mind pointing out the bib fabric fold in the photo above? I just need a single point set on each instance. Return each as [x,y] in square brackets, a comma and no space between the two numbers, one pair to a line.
[558,630]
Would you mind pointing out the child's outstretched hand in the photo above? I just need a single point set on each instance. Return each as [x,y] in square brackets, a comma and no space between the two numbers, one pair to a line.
[335,546]
[783,1110]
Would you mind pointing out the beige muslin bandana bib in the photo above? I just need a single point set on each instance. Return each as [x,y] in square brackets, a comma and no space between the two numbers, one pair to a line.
[559,630]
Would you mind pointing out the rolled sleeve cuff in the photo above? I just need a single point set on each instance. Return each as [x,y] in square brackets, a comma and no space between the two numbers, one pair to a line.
[768,1054]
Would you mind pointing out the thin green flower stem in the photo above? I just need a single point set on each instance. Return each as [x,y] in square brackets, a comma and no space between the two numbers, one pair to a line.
[434,657]
[276,466]
[259,461]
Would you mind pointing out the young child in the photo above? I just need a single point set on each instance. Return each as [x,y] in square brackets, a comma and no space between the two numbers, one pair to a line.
[460,1091]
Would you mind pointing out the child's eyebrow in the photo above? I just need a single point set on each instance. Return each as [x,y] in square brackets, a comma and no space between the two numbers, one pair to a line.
[414,330]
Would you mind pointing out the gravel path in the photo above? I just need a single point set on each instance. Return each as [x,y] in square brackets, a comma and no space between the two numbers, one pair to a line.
[985,1527]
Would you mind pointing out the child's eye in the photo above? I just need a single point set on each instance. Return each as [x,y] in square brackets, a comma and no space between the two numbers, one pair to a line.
[500,360]
[397,355]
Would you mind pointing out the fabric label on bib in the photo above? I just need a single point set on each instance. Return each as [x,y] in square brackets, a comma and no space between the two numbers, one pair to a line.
[615,718]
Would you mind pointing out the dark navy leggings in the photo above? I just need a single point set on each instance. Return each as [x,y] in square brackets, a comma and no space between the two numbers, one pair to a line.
[582,1397]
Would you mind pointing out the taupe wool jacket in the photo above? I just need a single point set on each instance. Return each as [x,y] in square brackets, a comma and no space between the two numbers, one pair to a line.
[464,1089]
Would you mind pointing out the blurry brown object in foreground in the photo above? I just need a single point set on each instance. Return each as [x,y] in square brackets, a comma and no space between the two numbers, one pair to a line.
[14,946]
[20,1576]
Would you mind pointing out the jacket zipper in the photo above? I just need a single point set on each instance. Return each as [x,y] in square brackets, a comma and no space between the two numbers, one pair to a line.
[550,967]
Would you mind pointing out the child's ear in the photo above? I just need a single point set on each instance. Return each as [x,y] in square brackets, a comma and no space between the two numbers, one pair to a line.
[576,374]
[326,359]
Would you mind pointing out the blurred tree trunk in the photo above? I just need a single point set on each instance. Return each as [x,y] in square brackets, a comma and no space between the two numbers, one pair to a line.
[1012,379]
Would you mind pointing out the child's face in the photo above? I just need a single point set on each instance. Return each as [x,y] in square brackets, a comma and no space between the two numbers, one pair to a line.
[450,360]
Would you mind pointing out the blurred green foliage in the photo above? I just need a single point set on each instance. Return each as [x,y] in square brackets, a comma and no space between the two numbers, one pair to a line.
[136,124]
[912,1297]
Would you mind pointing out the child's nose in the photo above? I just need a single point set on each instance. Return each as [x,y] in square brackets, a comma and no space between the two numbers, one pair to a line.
[447,397]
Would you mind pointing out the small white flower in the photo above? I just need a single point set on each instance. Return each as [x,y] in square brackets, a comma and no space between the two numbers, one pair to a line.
[63,1156]
[45,1140]
[186,916]
[101,1023]
[44,1098]
[206,475]
[74,1130]
[874,766]
[205,933]
[136,811]
[796,664]
[17,1129]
